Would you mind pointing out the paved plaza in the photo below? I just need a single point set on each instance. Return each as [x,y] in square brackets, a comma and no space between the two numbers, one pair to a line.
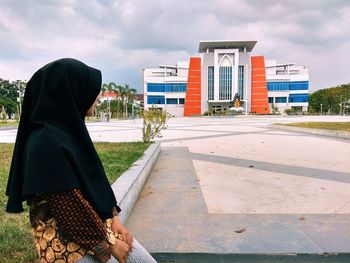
[236,185]
[240,186]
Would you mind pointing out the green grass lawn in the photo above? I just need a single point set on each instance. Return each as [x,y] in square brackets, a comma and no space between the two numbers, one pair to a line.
[338,126]
[8,123]
[16,244]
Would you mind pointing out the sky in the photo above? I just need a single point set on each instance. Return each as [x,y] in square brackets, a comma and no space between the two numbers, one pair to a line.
[122,37]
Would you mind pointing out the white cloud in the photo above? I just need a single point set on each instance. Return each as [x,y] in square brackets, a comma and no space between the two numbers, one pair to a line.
[122,37]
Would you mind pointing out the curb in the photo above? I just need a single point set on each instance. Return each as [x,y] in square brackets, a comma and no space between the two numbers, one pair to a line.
[251,258]
[129,185]
[5,128]
[322,132]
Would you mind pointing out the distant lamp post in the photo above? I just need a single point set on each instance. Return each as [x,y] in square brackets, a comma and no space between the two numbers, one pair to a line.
[109,109]
[20,106]
[321,108]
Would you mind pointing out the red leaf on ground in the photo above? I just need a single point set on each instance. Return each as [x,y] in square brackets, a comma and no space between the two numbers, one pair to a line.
[240,230]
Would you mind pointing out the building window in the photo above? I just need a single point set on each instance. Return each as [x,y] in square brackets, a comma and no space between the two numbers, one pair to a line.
[155,100]
[299,85]
[241,82]
[270,99]
[181,101]
[294,98]
[155,87]
[171,101]
[210,83]
[288,85]
[166,87]
[175,87]
[281,99]
[225,83]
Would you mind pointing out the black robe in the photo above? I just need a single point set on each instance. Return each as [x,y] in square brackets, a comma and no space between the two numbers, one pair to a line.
[53,150]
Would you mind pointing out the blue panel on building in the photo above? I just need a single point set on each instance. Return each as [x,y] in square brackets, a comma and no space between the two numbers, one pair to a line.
[166,87]
[155,87]
[298,98]
[155,100]
[281,99]
[171,101]
[288,85]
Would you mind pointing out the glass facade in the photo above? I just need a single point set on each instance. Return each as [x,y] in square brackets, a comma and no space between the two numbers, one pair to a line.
[298,98]
[171,101]
[155,100]
[155,87]
[281,99]
[288,85]
[241,82]
[166,87]
[225,83]
[210,83]
[181,101]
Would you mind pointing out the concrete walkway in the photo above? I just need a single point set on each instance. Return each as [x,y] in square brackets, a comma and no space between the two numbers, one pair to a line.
[226,190]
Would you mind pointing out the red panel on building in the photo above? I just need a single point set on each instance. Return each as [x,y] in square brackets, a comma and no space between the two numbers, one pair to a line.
[259,98]
[193,91]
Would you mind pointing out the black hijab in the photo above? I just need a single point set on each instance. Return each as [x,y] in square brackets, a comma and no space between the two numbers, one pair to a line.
[53,150]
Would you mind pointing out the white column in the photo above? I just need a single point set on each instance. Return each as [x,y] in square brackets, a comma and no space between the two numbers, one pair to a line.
[216,75]
[235,71]
[245,72]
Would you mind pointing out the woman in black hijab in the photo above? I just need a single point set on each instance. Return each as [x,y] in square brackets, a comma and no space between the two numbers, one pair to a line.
[55,168]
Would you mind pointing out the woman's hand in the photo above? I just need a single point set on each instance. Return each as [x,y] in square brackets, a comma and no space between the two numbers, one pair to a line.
[118,228]
[120,250]
[102,252]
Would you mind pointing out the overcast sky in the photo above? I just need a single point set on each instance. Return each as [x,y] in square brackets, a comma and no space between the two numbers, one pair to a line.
[122,37]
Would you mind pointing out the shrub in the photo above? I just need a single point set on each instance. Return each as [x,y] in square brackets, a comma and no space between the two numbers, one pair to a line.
[154,121]
[289,111]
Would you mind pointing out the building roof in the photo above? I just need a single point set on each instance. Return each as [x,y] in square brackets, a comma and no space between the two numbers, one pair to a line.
[139,96]
[172,66]
[223,44]
[280,65]
[109,94]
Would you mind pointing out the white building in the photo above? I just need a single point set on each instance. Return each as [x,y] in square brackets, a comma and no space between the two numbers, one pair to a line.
[223,71]
[287,85]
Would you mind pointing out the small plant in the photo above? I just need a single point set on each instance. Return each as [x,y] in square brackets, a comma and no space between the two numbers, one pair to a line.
[289,111]
[154,121]
[208,113]
[275,110]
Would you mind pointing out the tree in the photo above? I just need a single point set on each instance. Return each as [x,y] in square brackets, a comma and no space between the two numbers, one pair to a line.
[120,97]
[125,96]
[9,92]
[20,86]
[129,97]
[110,87]
[335,99]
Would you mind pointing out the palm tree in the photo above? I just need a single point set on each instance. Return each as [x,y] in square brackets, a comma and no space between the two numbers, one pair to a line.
[110,87]
[120,96]
[123,94]
[129,95]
